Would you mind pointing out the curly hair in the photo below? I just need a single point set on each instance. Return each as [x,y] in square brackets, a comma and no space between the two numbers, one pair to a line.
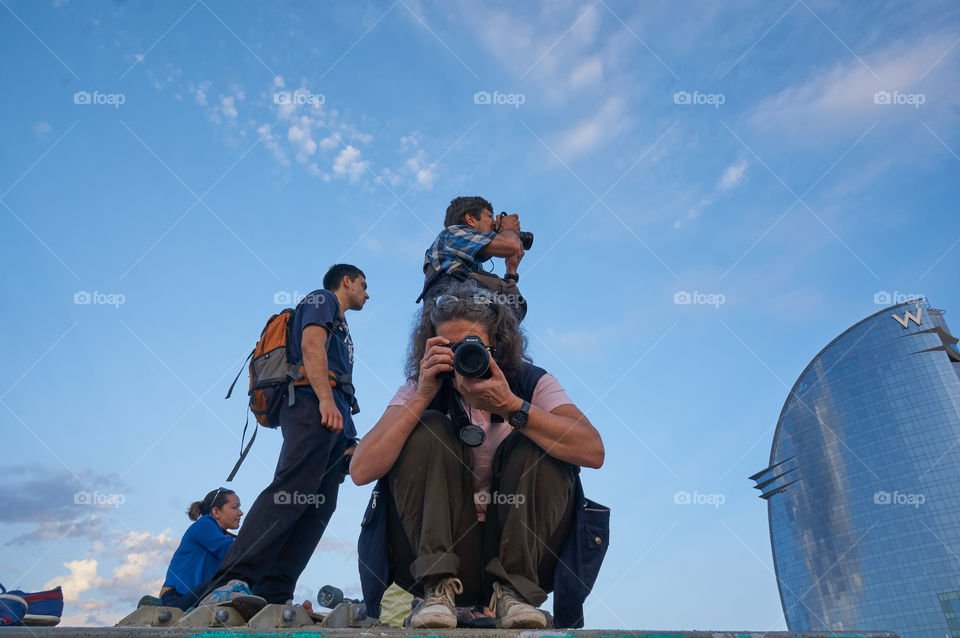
[474,303]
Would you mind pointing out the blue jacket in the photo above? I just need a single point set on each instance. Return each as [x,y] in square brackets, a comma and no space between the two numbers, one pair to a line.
[573,579]
[200,553]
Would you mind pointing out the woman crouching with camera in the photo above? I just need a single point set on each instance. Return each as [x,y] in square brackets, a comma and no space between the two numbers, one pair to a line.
[477,459]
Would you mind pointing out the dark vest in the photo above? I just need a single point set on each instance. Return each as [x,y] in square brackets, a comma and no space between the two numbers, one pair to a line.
[580,560]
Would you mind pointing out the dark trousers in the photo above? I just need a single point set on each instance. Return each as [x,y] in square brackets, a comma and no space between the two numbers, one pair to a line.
[433,529]
[285,523]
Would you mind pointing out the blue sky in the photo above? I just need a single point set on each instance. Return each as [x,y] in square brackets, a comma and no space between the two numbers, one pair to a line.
[782,166]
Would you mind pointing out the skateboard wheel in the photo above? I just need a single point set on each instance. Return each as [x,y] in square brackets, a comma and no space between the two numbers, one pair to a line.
[164,616]
[330,596]
[289,615]
[223,615]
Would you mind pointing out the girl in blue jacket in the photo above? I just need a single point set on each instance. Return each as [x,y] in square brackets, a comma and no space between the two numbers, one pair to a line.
[202,548]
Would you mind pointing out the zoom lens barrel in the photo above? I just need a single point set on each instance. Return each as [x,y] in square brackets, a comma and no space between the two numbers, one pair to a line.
[471,358]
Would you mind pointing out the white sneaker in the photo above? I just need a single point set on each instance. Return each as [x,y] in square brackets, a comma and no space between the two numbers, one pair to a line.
[438,609]
[512,612]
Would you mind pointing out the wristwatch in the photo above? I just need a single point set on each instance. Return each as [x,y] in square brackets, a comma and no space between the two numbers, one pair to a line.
[518,419]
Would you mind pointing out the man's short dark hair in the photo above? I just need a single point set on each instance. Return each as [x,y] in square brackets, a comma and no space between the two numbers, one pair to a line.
[331,280]
[460,207]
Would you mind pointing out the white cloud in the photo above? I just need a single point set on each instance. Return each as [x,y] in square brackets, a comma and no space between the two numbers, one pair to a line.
[200,93]
[83,576]
[314,170]
[302,142]
[141,562]
[348,164]
[692,213]
[278,82]
[330,142]
[595,130]
[90,527]
[422,172]
[831,99]
[270,141]
[588,72]
[228,107]
[390,177]
[86,620]
[733,176]
[41,129]
[426,177]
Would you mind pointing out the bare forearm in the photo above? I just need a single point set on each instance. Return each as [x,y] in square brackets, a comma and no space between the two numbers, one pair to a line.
[568,436]
[315,364]
[381,447]
[506,244]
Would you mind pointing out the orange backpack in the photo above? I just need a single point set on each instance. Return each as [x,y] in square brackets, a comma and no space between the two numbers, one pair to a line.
[273,377]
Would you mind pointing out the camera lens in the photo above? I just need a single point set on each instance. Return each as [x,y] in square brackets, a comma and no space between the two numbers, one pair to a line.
[526,239]
[471,358]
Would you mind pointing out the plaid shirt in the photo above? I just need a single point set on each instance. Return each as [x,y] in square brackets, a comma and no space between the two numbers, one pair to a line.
[456,248]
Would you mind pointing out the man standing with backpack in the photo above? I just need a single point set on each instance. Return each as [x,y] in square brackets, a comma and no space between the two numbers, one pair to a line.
[285,523]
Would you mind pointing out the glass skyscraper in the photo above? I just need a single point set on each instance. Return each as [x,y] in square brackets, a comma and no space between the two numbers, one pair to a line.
[863,486]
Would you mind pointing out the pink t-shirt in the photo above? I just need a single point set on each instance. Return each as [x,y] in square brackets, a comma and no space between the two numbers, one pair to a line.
[548,395]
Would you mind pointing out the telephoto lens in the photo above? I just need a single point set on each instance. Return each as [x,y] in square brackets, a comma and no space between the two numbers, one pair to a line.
[471,359]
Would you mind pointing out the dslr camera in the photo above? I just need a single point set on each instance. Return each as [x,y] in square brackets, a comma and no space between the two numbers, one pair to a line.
[525,238]
[471,358]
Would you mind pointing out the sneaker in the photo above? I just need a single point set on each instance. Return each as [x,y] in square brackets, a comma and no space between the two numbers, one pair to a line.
[44,608]
[236,594]
[230,592]
[513,612]
[12,609]
[438,609]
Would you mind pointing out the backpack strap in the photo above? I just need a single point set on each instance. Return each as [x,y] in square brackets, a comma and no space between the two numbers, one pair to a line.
[432,277]
[246,450]
[344,383]
[242,366]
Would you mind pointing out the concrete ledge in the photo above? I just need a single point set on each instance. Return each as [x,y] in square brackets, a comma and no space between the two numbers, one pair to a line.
[243,632]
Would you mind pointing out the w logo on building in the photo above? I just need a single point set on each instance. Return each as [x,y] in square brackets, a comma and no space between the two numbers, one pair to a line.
[908,317]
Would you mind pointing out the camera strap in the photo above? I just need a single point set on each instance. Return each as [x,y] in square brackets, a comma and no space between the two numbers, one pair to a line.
[470,434]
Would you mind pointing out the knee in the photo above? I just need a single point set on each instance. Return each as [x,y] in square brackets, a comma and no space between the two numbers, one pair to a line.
[434,428]
[527,459]
[432,438]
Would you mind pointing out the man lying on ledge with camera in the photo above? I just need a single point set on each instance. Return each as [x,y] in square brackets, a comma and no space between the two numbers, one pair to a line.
[478,458]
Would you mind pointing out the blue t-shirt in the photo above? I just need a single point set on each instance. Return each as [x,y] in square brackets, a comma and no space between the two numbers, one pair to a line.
[200,553]
[321,308]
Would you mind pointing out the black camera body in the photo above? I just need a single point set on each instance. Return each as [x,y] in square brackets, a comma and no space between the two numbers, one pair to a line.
[525,238]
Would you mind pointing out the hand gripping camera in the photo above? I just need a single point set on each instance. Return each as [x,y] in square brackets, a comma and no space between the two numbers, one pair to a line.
[525,238]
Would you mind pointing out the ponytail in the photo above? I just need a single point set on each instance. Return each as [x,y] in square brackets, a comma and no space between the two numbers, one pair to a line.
[194,510]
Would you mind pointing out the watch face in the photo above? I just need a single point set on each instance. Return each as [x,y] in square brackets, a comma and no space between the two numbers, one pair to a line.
[519,418]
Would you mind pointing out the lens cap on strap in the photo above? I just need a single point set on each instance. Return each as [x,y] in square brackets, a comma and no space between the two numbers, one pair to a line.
[472,435]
